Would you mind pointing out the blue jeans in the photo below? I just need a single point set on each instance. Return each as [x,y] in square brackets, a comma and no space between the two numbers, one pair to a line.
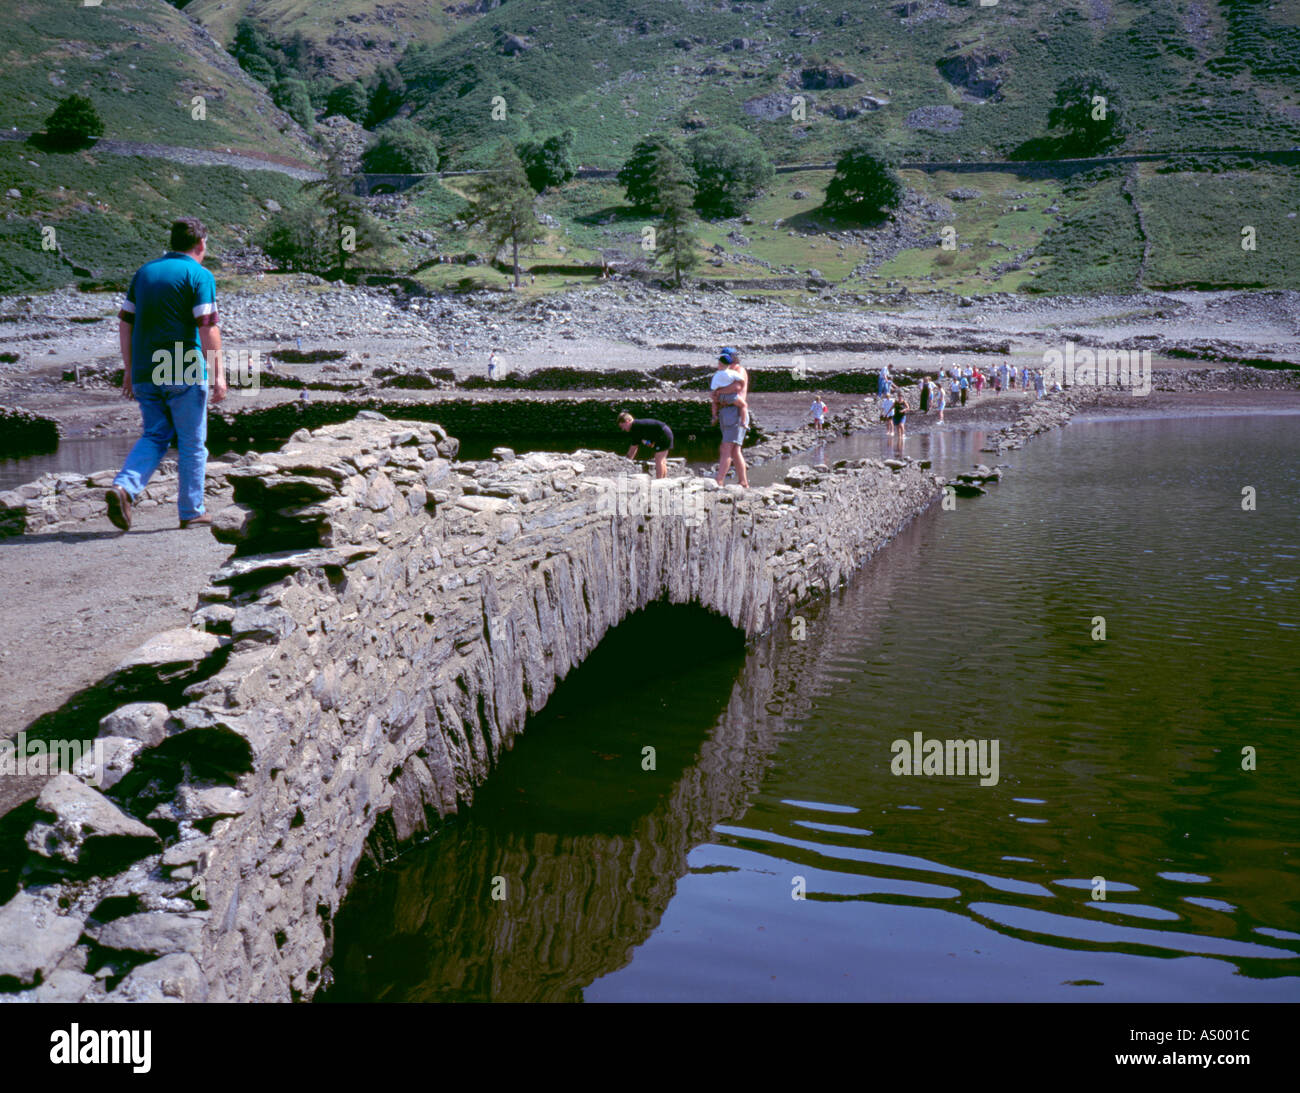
[172,413]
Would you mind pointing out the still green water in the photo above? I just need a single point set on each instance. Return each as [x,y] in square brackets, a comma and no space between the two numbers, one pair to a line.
[1120,759]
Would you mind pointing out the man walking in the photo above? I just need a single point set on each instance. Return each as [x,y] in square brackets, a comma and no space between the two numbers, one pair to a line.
[171,344]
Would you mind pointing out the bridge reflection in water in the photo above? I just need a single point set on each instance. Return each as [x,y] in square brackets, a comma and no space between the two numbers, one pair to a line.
[588,843]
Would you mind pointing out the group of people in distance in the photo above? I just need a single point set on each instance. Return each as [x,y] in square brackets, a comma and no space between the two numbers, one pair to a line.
[953,384]
[728,398]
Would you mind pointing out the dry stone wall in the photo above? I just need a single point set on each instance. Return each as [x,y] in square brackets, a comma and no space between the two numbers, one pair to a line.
[59,500]
[346,693]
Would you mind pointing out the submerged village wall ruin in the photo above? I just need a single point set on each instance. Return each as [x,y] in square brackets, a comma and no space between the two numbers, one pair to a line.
[338,695]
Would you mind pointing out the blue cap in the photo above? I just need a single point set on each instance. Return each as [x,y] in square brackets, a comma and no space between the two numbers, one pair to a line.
[728,355]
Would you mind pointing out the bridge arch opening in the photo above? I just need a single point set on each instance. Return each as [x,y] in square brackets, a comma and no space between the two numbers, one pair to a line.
[577,811]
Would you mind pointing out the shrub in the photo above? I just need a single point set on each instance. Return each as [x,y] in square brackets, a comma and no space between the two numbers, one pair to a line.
[74,122]
[349,100]
[402,148]
[291,97]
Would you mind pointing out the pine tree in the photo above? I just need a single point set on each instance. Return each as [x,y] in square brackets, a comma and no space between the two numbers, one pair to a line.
[352,228]
[675,200]
[503,208]
[637,175]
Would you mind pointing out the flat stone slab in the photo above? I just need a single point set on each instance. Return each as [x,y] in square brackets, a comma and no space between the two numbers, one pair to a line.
[34,937]
[158,934]
[287,561]
[169,655]
[478,503]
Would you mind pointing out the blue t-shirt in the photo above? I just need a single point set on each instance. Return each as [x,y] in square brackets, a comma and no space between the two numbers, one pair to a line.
[169,299]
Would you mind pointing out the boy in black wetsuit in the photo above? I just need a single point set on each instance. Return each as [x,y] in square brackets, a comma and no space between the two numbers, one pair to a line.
[652,434]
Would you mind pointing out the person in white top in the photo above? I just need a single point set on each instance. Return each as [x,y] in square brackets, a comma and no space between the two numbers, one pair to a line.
[818,410]
[727,388]
[887,414]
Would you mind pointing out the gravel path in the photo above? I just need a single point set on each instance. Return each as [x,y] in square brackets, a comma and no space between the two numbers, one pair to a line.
[76,603]
[195,157]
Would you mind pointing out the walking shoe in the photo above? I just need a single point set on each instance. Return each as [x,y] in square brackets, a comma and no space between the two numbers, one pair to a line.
[202,521]
[119,508]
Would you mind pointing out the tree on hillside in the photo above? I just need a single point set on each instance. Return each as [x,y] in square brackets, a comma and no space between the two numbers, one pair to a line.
[318,90]
[549,163]
[1090,114]
[730,169]
[503,209]
[402,148]
[864,187]
[291,97]
[386,93]
[256,55]
[349,100]
[298,239]
[675,242]
[73,122]
[351,228]
[637,175]
[260,69]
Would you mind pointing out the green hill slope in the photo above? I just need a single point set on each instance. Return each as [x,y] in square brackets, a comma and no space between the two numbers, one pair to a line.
[933,79]
[349,38]
[142,62]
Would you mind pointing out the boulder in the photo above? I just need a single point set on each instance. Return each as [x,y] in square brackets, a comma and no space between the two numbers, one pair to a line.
[109,761]
[158,933]
[143,721]
[174,978]
[84,828]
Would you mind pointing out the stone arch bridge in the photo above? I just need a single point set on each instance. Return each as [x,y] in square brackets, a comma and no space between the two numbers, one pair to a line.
[342,692]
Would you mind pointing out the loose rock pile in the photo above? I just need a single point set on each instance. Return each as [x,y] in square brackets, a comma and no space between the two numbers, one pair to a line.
[56,500]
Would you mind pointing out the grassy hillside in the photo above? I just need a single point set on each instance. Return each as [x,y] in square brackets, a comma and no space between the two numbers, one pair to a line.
[932,80]
[141,62]
[350,37]
[111,213]
[1088,233]
[1194,73]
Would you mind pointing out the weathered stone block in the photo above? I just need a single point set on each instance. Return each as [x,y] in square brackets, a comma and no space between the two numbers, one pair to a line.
[85,828]
[34,935]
